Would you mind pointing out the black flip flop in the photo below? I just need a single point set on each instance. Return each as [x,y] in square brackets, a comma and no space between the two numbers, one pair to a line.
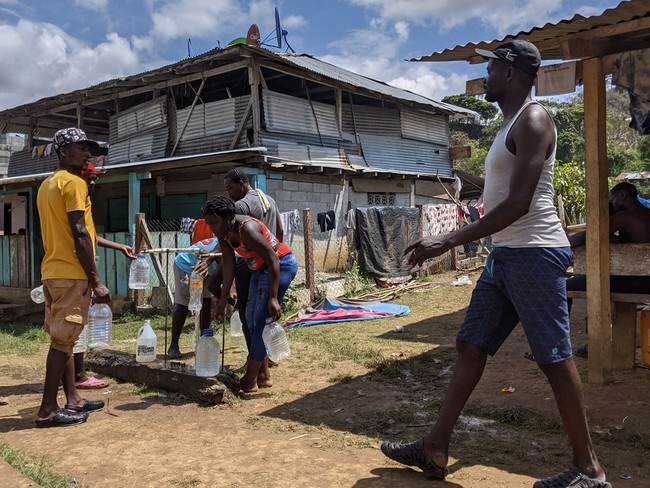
[412,454]
[63,418]
[87,406]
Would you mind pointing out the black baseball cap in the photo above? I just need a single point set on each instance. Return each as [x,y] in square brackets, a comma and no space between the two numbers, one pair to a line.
[71,135]
[523,55]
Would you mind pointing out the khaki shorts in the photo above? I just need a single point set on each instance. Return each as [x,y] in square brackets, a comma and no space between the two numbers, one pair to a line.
[66,311]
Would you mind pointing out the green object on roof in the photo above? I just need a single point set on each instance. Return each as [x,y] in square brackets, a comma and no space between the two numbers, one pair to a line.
[237,40]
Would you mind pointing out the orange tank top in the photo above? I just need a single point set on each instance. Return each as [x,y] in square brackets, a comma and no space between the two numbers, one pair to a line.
[253,260]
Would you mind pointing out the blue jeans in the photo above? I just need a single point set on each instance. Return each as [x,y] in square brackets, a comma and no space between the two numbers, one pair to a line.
[257,308]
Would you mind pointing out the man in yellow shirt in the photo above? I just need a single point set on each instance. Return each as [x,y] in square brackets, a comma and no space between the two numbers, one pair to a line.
[68,274]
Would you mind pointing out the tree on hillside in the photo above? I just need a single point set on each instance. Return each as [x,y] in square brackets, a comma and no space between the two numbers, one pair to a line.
[486,110]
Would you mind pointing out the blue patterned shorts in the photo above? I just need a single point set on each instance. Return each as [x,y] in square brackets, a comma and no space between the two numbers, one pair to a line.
[526,285]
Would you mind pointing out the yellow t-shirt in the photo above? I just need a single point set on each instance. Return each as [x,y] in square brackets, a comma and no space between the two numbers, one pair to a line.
[59,194]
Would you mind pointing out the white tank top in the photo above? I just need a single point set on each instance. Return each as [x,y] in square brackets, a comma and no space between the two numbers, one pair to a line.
[541,226]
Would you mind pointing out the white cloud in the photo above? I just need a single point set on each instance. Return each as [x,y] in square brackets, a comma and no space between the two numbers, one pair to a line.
[96,5]
[294,22]
[61,63]
[501,15]
[174,19]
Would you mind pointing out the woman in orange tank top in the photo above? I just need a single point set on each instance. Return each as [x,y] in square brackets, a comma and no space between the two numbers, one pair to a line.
[274,267]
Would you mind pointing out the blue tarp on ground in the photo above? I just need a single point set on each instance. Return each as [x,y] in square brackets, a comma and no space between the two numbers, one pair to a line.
[332,310]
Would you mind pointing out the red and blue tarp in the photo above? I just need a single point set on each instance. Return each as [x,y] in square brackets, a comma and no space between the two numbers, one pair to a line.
[333,310]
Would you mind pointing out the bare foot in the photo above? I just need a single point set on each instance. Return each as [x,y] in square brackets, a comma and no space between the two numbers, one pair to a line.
[248,386]
[174,353]
[264,381]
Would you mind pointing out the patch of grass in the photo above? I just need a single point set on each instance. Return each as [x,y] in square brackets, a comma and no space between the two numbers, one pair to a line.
[24,340]
[186,482]
[341,378]
[407,413]
[338,345]
[145,391]
[36,468]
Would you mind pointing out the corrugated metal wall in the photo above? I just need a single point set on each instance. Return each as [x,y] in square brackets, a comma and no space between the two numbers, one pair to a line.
[371,120]
[424,127]
[312,154]
[284,113]
[212,126]
[139,133]
[397,154]
[22,163]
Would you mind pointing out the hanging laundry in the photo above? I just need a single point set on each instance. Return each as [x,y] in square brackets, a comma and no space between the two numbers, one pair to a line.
[326,220]
[350,219]
[295,220]
[439,219]
[48,150]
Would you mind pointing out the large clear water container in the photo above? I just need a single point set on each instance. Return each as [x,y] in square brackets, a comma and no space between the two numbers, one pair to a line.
[146,344]
[275,339]
[139,273]
[37,294]
[100,326]
[236,325]
[196,293]
[207,354]
[82,343]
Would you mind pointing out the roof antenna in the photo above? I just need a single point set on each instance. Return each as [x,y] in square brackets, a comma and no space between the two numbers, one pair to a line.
[189,45]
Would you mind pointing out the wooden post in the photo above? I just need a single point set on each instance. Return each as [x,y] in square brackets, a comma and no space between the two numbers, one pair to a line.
[138,295]
[598,304]
[309,254]
[254,81]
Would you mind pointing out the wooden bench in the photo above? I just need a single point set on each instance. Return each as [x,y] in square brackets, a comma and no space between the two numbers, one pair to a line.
[624,310]
[625,260]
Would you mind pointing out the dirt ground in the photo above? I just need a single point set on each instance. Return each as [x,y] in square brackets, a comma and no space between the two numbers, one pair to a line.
[322,422]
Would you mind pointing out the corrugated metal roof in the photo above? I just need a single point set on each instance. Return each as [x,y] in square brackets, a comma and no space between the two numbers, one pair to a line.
[210,60]
[550,36]
[337,73]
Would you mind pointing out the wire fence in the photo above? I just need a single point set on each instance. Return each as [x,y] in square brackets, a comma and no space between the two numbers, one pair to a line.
[327,260]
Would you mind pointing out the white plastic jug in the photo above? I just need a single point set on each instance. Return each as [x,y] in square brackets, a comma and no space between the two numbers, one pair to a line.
[82,343]
[207,354]
[236,325]
[146,344]
[100,326]
[275,339]
[196,293]
[37,294]
[139,273]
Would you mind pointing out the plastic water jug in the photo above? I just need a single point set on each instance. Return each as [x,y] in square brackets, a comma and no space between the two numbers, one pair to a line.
[139,273]
[207,354]
[645,336]
[236,325]
[196,293]
[100,326]
[275,339]
[146,344]
[82,343]
[37,294]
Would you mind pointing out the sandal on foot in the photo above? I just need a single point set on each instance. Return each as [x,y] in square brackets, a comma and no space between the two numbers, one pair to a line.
[91,383]
[571,478]
[87,406]
[413,455]
[62,418]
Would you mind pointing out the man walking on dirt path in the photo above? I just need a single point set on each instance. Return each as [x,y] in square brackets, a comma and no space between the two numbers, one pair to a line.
[68,274]
[524,276]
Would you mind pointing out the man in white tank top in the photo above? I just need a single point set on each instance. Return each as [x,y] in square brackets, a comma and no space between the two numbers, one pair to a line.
[524,276]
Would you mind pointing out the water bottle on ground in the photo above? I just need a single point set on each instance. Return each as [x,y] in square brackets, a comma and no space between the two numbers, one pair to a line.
[146,344]
[207,354]
[236,325]
[100,326]
[275,339]
[82,343]
[139,273]
[196,293]
[37,294]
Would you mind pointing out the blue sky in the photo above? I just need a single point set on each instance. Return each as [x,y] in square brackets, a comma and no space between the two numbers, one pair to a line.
[56,46]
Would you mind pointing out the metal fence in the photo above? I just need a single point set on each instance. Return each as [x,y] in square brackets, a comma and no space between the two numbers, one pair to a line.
[327,260]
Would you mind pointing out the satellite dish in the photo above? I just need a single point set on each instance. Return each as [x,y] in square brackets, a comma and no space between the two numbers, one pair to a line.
[253,36]
[279,33]
[278,28]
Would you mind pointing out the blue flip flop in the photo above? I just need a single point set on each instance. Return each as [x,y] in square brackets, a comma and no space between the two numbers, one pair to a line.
[62,418]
